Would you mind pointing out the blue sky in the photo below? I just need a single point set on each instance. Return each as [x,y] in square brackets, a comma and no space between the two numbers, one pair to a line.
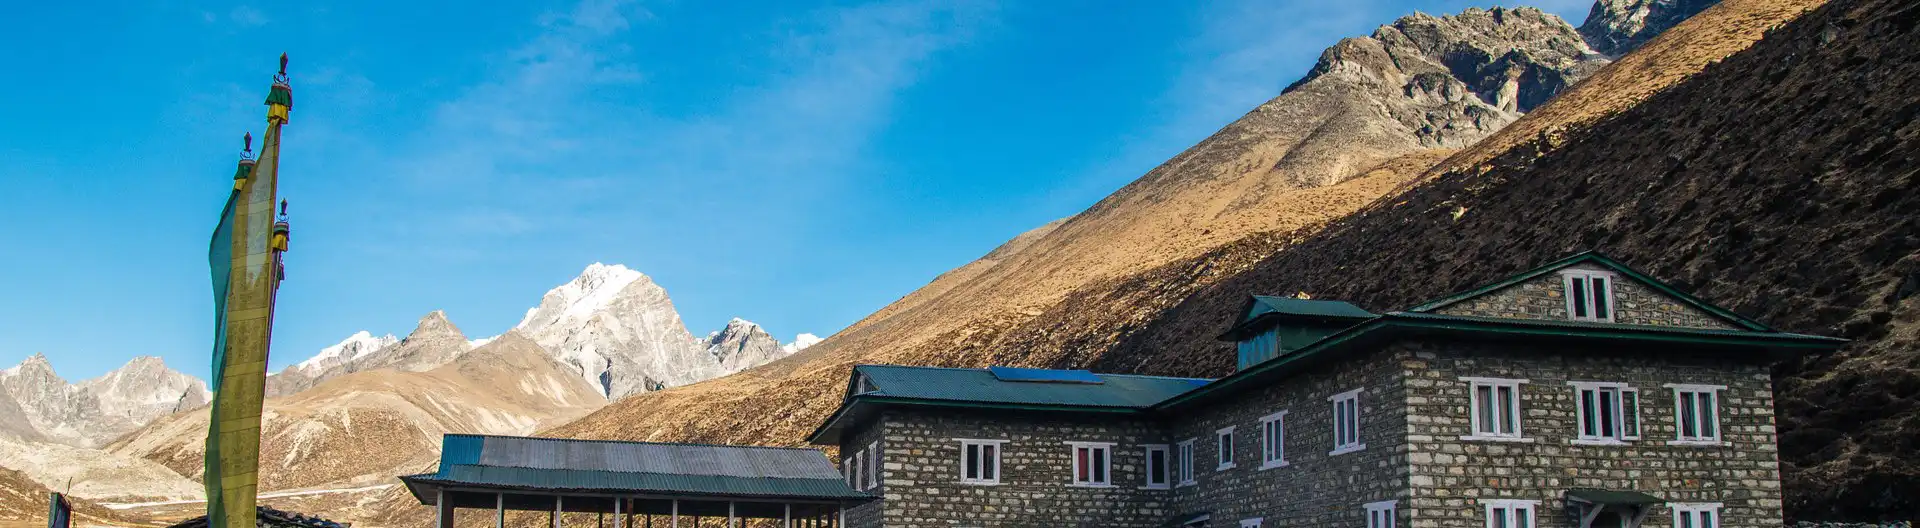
[795,164]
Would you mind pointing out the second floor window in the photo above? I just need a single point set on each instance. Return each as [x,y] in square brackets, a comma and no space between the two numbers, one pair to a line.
[1159,466]
[1183,468]
[1380,514]
[1346,422]
[980,461]
[1273,440]
[1091,462]
[1696,413]
[873,465]
[1606,412]
[1495,407]
[1224,446]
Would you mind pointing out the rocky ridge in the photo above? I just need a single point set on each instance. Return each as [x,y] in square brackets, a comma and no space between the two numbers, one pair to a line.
[94,411]
[1615,27]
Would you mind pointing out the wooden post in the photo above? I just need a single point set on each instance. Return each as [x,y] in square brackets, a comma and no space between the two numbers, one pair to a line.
[557,501]
[499,510]
[444,508]
[676,513]
[730,522]
[786,516]
[616,513]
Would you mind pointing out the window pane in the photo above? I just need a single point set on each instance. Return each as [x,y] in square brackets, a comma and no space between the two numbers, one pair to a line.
[1609,425]
[1708,422]
[1630,412]
[1497,518]
[1589,413]
[1578,294]
[990,462]
[1080,464]
[1100,465]
[1483,409]
[1600,297]
[1686,518]
[1687,417]
[1523,518]
[1707,520]
[1509,411]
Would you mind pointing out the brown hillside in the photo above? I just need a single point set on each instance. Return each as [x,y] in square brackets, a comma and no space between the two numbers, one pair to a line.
[1782,183]
[23,503]
[365,427]
[1016,309]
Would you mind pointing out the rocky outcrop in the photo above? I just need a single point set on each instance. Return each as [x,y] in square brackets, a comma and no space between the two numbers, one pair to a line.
[97,410]
[742,344]
[1616,27]
[618,329]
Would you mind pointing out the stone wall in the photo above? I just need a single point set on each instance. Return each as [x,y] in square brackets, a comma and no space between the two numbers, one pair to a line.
[1544,297]
[1314,488]
[1451,475]
[856,440]
[921,472]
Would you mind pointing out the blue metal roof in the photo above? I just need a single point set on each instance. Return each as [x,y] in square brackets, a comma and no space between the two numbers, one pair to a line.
[513,462]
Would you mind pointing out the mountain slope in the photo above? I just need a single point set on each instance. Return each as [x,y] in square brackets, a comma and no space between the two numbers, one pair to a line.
[1362,123]
[1771,183]
[23,503]
[368,426]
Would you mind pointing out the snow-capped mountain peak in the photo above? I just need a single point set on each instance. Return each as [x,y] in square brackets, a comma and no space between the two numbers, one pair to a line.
[355,346]
[590,292]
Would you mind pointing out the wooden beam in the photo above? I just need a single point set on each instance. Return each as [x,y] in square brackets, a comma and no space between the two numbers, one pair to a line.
[443,507]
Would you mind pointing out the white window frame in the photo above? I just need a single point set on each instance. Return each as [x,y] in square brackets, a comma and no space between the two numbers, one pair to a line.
[1474,407]
[873,465]
[864,385]
[1273,440]
[1166,467]
[1223,454]
[1566,281]
[1183,453]
[1691,512]
[999,451]
[1380,514]
[1623,413]
[857,477]
[1509,514]
[1106,473]
[1681,393]
[1250,523]
[1346,441]
[846,466]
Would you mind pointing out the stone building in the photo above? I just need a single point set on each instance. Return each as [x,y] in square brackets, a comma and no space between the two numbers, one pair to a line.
[1581,394]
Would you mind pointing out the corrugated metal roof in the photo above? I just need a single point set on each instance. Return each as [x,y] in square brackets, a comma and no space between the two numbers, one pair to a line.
[647,457]
[692,469]
[980,385]
[620,481]
[1264,304]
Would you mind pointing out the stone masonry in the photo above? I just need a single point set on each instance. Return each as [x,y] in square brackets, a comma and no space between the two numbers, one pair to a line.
[1451,475]
[1545,297]
[1314,488]
[921,472]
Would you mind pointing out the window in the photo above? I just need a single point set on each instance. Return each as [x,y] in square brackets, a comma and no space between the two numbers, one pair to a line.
[873,465]
[1380,514]
[855,477]
[1250,523]
[846,464]
[1696,515]
[1159,466]
[1091,460]
[863,385]
[1589,295]
[1346,422]
[1273,440]
[1261,347]
[1696,414]
[1225,448]
[980,461]
[1183,470]
[1509,513]
[1495,408]
[1607,413]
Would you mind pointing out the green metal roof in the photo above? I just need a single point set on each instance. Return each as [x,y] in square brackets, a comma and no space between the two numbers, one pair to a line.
[981,385]
[1595,257]
[1612,497]
[527,463]
[1263,311]
[979,388]
[1393,325]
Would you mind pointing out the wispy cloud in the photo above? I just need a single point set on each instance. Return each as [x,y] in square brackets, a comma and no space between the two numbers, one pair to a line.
[550,133]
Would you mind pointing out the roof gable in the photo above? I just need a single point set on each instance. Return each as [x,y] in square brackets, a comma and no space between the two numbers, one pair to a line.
[1595,260]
